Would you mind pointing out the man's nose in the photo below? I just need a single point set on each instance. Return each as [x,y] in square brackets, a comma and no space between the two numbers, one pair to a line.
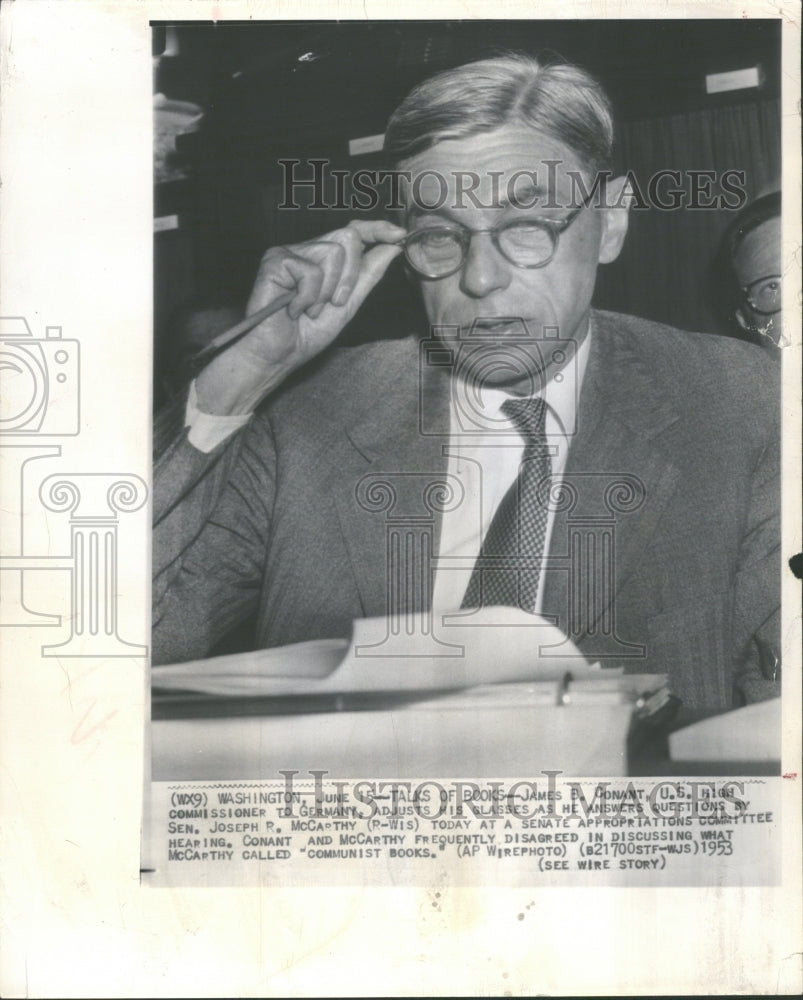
[484,270]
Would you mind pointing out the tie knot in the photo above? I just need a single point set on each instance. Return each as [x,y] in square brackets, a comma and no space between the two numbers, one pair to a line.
[528,415]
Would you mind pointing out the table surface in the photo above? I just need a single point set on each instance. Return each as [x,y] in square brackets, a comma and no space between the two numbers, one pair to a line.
[480,733]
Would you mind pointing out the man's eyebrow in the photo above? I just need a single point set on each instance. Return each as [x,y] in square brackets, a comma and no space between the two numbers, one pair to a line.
[525,194]
[420,211]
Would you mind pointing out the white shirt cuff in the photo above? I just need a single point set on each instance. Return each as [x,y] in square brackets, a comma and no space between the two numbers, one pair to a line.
[208,430]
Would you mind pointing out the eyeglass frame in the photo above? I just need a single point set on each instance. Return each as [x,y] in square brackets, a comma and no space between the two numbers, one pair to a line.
[745,291]
[464,235]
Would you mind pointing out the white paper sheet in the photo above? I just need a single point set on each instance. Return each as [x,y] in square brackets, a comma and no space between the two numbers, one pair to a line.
[491,645]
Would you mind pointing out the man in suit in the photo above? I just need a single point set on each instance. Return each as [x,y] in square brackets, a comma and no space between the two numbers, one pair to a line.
[611,475]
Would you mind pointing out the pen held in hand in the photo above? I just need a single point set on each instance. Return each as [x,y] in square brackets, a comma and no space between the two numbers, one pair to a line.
[241,329]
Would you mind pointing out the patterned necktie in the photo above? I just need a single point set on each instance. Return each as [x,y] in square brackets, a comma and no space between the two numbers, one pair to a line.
[509,563]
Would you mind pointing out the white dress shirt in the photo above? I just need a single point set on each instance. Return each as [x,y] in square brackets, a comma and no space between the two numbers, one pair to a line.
[484,454]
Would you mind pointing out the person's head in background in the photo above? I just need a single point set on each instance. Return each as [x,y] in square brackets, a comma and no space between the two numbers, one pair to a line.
[753,242]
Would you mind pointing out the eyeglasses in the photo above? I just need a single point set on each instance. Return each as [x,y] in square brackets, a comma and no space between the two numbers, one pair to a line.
[439,251]
[764,295]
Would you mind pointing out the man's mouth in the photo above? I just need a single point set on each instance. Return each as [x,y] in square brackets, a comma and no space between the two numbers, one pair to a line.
[494,327]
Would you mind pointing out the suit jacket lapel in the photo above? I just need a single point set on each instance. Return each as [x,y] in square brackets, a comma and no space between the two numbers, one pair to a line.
[386,468]
[616,471]
[387,462]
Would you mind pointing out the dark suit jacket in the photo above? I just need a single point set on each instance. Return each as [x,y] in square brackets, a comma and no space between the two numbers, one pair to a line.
[282,523]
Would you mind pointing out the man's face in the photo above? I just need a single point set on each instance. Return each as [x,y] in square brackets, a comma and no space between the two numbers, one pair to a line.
[488,286]
[758,257]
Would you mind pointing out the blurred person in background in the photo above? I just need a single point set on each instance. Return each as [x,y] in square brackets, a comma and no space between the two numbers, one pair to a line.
[749,266]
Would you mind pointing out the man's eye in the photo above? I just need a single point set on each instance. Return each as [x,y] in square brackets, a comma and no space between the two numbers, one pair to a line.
[438,239]
[525,232]
[438,242]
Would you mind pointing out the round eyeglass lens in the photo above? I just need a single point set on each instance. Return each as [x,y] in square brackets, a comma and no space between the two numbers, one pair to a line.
[766,296]
[526,243]
[435,251]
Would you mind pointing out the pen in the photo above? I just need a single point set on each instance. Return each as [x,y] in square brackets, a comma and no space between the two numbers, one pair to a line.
[243,327]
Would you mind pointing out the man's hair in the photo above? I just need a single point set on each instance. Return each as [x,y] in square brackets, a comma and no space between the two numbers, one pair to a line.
[750,218]
[558,100]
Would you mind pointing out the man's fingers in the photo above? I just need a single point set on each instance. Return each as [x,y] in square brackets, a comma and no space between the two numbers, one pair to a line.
[329,270]
[308,279]
[374,264]
[339,256]
[354,247]
[331,261]
[377,231]
[358,235]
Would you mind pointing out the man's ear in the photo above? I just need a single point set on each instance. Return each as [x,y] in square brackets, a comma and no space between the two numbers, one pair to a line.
[615,216]
[741,320]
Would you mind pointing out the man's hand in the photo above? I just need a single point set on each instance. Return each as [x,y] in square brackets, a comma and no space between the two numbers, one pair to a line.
[331,278]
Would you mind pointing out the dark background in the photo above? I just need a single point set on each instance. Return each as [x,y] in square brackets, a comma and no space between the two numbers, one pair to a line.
[287,89]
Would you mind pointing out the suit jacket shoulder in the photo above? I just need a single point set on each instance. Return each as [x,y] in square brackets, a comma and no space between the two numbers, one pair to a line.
[374,386]
[729,385]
